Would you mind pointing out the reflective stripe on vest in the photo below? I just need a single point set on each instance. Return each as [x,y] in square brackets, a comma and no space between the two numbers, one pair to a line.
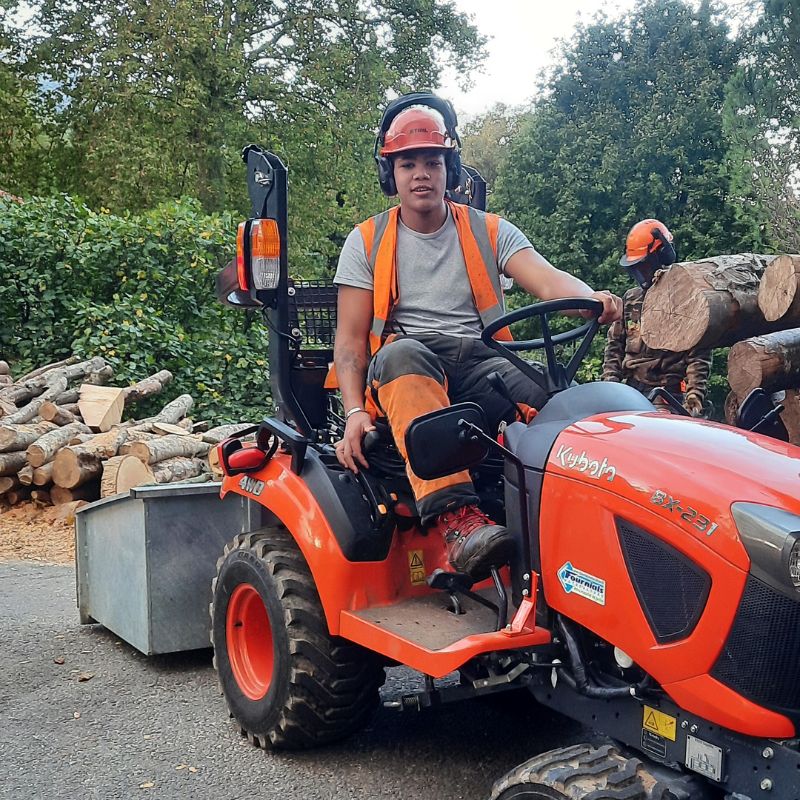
[477,234]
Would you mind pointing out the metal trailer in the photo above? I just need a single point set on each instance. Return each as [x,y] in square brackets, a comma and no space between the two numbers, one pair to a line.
[145,561]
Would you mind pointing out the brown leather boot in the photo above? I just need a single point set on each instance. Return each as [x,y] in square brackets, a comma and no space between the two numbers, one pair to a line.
[474,543]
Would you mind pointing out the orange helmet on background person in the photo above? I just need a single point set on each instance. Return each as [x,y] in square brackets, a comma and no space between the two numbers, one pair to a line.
[645,238]
[417,128]
[648,247]
[417,121]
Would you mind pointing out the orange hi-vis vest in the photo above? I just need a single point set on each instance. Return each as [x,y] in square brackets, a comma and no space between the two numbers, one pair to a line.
[477,234]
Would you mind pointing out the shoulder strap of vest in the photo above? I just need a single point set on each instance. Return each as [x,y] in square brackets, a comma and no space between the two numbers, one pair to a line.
[372,231]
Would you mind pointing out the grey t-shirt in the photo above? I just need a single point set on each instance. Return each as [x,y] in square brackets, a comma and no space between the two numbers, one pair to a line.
[434,294]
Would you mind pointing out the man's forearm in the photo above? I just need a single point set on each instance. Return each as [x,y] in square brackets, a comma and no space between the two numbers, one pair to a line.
[351,371]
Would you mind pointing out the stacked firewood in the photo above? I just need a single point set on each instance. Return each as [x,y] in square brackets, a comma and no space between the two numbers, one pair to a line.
[749,302]
[62,437]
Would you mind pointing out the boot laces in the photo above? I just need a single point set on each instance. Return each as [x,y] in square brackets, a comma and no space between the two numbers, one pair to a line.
[462,522]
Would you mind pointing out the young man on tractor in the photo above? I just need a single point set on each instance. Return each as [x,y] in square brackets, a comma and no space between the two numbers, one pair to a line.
[416,286]
[649,248]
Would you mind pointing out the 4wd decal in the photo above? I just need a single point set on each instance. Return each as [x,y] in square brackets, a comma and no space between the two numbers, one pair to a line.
[576,581]
[582,463]
[251,485]
[690,516]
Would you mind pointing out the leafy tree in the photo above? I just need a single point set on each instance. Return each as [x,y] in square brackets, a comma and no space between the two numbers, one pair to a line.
[631,127]
[763,119]
[156,99]
[486,138]
[20,126]
[135,289]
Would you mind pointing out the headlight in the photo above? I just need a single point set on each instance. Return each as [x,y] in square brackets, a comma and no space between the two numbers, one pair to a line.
[771,537]
[794,564]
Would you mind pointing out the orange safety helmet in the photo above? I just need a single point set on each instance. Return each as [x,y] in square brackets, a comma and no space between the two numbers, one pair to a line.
[416,128]
[647,238]
[417,121]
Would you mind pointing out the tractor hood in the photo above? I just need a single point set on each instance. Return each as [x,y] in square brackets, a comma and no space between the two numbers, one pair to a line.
[685,470]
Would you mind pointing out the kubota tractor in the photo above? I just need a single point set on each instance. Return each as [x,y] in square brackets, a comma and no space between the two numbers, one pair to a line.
[654,595]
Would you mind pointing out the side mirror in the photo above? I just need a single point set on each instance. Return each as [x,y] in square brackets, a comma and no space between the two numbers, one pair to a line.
[228,290]
[440,443]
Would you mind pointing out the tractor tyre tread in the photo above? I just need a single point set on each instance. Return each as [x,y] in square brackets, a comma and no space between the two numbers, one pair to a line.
[593,772]
[333,686]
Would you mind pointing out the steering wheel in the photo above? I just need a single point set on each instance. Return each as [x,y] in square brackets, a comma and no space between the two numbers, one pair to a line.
[558,377]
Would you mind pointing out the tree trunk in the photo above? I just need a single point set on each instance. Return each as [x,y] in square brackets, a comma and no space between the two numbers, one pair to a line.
[88,491]
[771,361]
[779,292]
[176,410]
[40,370]
[58,415]
[18,437]
[214,464]
[222,432]
[17,495]
[12,463]
[100,377]
[709,303]
[177,469]
[73,468]
[45,447]
[166,428]
[7,407]
[43,475]
[137,435]
[147,387]
[165,447]
[731,408]
[122,473]
[25,475]
[41,497]
[77,464]
[8,483]
[67,398]
[791,414]
[101,406]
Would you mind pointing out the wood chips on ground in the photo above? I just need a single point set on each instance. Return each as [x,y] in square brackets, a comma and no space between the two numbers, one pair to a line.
[31,533]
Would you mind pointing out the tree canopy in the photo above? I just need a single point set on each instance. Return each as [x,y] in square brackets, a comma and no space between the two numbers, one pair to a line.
[630,127]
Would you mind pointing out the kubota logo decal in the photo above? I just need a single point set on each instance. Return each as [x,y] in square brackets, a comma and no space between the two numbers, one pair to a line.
[582,463]
[251,485]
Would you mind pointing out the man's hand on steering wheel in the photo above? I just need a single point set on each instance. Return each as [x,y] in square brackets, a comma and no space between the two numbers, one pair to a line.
[612,307]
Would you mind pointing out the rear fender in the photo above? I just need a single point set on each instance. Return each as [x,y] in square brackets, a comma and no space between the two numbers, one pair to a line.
[343,585]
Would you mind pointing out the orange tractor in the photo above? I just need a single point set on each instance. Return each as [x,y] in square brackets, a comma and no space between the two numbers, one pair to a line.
[654,595]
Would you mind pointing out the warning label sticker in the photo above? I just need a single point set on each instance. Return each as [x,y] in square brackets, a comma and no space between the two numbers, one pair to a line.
[416,567]
[658,722]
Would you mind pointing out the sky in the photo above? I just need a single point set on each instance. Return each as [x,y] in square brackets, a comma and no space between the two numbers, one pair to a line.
[523,35]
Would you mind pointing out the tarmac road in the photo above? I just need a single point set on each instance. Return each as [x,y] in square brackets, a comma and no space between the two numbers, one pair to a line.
[111,723]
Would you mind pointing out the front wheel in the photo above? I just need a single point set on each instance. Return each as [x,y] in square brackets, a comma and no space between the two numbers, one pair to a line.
[583,771]
[286,680]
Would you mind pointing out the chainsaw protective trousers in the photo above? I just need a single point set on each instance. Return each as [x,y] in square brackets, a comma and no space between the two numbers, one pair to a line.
[413,375]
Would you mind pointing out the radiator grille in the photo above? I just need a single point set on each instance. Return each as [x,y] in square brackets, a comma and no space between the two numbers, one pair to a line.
[760,657]
[671,588]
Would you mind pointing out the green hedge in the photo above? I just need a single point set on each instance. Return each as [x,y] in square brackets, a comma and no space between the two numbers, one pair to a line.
[137,290]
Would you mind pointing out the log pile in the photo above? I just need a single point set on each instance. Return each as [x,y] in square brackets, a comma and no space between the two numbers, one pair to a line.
[748,302]
[62,440]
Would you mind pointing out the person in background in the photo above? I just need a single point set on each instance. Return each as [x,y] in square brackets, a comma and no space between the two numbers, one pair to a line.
[649,248]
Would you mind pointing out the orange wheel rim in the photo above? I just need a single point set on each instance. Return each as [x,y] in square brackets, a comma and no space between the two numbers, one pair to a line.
[248,635]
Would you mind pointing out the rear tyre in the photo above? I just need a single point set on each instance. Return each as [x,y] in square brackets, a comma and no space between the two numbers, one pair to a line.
[286,680]
[584,772]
